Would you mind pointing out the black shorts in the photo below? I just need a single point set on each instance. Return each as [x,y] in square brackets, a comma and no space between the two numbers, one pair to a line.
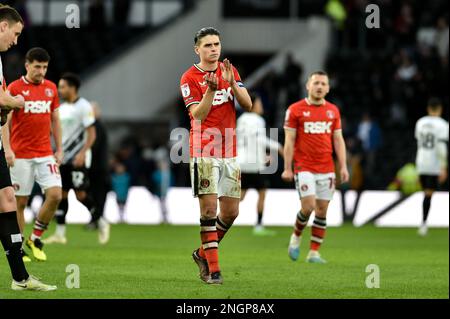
[429,181]
[5,177]
[76,178]
[254,180]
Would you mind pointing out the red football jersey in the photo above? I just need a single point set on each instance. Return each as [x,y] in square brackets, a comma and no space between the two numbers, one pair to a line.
[315,125]
[31,126]
[220,119]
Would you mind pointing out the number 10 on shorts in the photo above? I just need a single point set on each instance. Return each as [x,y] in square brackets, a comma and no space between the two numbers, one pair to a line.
[53,168]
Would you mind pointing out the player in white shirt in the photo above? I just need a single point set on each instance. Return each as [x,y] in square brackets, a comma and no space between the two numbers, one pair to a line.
[252,145]
[78,135]
[431,133]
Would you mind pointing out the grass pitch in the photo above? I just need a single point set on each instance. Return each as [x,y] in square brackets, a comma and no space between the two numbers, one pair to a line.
[155,262]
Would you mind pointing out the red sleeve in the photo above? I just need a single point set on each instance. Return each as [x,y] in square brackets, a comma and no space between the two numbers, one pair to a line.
[190,91]
[237,77]
[291,119]
[55,102]
[12,89]
[337,121]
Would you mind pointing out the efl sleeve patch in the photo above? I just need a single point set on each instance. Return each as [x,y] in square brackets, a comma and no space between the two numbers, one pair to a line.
[185,90]
[16,238]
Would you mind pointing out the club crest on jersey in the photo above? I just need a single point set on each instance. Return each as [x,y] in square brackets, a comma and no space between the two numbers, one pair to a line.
[222,96]
[49,92]
[185,91]
[330,114]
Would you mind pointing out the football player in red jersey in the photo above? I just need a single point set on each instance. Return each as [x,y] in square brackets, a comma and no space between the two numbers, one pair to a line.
[312,130]
[210,89]
[28,148]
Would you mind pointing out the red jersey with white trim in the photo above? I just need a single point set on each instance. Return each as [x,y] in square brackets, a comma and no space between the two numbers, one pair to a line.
[315,125]
[220,119]
[31,126]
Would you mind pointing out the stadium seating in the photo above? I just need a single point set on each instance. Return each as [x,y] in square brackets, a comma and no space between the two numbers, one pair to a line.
[78,50]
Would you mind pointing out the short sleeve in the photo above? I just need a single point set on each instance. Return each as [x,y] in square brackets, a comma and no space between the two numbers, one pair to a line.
[337,121]
[290,120]
[237,77]
[88,115]
[190,91]
[55,101]
[416,130]
[12,89]
[444,133]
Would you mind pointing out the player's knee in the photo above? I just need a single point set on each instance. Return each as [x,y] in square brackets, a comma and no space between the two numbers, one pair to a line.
[308,209]
[22,202]
[80,195]
[321,213]
[54,197]
[230,215]
[429,192]
[209,210]
[8,199]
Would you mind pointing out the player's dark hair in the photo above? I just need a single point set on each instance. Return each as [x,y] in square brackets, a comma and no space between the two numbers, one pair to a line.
[37,54]
[434,103]
[9,14]
[203,32]
[319,72]
[72,79]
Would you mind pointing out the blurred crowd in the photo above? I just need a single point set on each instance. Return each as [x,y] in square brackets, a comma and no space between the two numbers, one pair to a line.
[380,79]
[139,164]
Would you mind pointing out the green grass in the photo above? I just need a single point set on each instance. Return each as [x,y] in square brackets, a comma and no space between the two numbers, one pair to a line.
[155,262]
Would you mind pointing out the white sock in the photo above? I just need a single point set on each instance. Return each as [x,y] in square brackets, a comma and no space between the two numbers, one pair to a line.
[61,230]
[313,253]
[295,240]
[102,222]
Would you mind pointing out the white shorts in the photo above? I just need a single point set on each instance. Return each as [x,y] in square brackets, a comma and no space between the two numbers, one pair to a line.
[320,185]
[25,172]
[221,176]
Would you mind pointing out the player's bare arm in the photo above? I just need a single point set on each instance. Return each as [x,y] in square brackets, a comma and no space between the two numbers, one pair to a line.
[442,155]
[289,142]
[9,153]
[9,102]
[339,148]
[200,111]
[281,151]
[240,93]
[80,158]
[57,136]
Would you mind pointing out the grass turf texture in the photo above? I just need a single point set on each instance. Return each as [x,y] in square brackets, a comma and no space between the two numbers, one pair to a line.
[155,262]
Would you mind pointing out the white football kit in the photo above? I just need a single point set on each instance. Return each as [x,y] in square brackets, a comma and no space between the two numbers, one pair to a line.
[75,118]
[431,133]
[252,143]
